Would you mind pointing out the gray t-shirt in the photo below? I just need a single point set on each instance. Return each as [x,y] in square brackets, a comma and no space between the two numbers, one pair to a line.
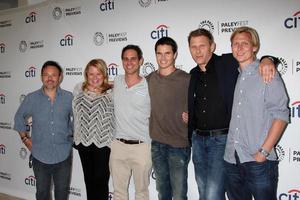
[132,110]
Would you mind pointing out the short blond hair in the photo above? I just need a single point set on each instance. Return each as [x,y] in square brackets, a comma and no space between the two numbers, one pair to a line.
[252,32]
[102,67]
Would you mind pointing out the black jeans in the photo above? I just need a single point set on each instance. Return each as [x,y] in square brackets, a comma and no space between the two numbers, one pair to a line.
[95,167]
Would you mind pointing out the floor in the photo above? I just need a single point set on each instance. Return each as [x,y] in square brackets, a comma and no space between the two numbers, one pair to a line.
[7,197]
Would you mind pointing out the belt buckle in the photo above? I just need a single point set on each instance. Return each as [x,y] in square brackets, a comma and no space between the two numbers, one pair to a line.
[202,133]
[130,141]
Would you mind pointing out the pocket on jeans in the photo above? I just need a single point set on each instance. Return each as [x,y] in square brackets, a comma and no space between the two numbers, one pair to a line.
[257,168]
[220,140]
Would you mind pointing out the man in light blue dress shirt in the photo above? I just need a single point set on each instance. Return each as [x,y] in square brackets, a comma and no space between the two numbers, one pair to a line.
[51,138]
[259,117]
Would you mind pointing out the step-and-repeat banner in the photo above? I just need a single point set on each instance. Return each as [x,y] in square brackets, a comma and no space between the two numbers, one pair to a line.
[73,32]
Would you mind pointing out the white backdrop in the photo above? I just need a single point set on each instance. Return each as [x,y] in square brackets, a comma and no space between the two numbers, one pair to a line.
[74,31]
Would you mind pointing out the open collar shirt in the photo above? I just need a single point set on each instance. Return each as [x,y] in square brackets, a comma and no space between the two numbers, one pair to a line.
[255,106]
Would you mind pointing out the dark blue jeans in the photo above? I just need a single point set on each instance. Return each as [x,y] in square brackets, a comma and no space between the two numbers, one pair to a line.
[208,162]
[61,175]
[170,167]
[248,179]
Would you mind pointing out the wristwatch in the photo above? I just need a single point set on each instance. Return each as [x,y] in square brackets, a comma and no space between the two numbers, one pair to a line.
[264,152]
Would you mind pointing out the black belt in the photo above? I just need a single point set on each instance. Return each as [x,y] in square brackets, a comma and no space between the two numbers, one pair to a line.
[215,132]
[130,141]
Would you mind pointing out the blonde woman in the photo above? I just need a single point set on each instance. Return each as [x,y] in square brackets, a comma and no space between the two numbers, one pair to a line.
[94,125]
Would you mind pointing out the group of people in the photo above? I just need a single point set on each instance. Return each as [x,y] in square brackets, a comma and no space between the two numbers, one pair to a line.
[230,111]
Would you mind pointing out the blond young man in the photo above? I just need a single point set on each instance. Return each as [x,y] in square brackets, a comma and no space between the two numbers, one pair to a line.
[259,117]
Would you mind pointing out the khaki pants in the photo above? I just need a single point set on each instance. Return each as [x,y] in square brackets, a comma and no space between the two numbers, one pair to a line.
[127,159]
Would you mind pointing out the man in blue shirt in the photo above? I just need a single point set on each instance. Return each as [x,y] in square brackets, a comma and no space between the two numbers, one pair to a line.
[51,139]
[259,117]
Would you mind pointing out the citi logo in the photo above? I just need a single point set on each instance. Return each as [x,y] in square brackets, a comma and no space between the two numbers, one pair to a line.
[107,5]
[295,109]
[292,194]
[30,181]
[67,41]
[31,17]
[112,71]
[30,72]
[2,98]
[161,31]
[292,22]
[2,149]
[2,48]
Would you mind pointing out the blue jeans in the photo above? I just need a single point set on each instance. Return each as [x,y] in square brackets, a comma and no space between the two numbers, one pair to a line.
[170,167]
[248,179]
[61,174]
[208,162]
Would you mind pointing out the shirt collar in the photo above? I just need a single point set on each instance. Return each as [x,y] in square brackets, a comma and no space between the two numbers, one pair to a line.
[58,91]
[142,82]
[250,68]
[210,66]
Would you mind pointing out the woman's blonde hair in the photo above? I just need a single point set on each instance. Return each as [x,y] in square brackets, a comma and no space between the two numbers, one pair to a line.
[102,67]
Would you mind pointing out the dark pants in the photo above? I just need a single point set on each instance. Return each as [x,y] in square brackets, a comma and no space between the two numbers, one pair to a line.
[59,172]
[248,179]
[95,167]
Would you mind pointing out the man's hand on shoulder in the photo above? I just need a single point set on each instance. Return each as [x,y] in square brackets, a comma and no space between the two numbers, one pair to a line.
[267,68]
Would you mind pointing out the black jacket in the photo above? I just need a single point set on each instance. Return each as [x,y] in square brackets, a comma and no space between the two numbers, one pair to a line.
[227,72]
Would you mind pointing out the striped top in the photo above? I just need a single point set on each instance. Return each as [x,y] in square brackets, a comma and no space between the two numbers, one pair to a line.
[94,120]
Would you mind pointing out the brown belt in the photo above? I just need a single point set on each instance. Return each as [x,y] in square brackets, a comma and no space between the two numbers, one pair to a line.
[212,133]
[130,141]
